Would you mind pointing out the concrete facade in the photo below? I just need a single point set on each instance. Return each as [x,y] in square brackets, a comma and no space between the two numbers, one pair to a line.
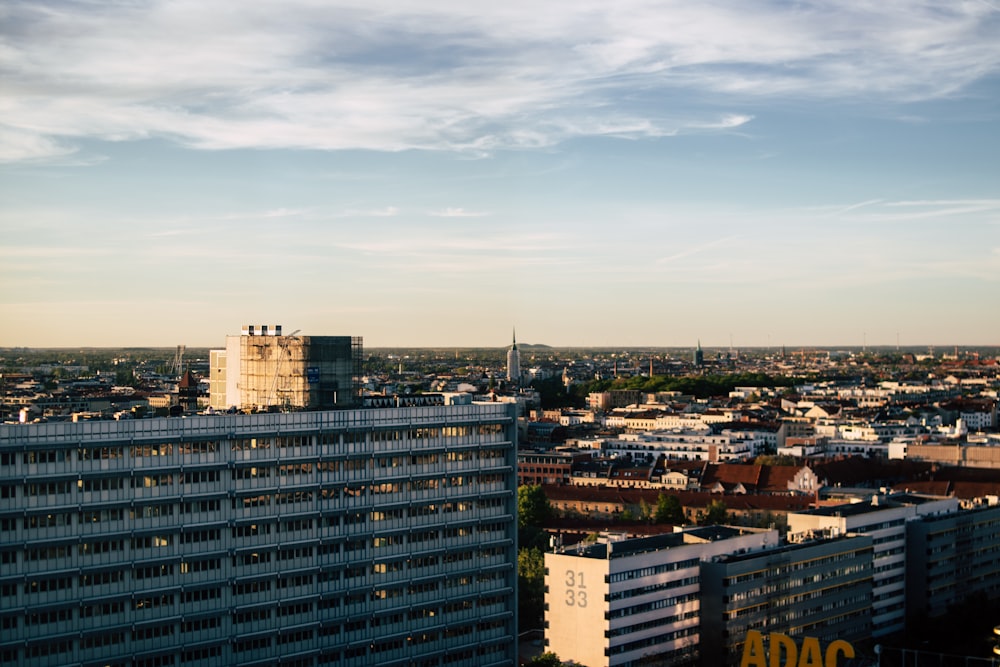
[884,520]
[818,588]
[951,557]
[624,603]
[349,537]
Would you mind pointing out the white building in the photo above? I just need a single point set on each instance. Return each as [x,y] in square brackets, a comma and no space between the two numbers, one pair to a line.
[684,446]
[619,602]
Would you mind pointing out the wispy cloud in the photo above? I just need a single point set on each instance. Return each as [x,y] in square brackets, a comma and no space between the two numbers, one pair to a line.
[694,250]
[475,78]
[456,213]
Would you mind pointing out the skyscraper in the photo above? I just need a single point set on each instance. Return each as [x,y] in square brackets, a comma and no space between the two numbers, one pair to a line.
[350,537]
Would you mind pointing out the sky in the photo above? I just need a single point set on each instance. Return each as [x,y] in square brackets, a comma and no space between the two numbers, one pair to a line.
[431,173]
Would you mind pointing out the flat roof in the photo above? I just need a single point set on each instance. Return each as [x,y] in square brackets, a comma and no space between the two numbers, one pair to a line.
[640,545]
[865,507]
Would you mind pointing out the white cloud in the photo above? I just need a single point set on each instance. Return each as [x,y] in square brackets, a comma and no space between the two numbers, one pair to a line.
[456,213]
[474,77]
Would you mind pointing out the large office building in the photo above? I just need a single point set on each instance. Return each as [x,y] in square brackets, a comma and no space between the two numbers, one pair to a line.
[818,588]
[263,368]
[951,557]
[350,537]
[635,602]
[884,519]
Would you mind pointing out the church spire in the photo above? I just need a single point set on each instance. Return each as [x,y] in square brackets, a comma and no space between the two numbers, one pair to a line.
[514,362]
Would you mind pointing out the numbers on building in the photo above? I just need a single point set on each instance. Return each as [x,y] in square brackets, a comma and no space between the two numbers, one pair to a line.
[576,594]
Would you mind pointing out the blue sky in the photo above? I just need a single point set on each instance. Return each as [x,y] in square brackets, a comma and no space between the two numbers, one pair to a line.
[433,173]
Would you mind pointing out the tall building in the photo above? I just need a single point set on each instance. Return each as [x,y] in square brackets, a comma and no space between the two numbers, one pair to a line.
[636,601]
[514,362]
[815,588]
[884,519]
[264,368]
[348,537]
[950,558]
[699,356]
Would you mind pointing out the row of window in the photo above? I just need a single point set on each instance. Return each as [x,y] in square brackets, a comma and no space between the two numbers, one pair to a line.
[150,481]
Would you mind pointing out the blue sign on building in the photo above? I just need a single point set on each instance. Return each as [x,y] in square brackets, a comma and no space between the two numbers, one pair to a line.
[312,374]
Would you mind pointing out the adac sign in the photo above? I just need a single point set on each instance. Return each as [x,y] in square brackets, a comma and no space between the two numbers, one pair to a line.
[784,652]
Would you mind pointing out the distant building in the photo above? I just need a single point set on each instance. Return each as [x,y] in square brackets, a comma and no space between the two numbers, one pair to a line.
[514,362]
[535,467]
[699,356]
[262,368]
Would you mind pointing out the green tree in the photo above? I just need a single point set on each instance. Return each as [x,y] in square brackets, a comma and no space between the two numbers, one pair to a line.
[669,510]
[545,660]
[533,507]
[533,510]
[531,588]
[715,514]
[774,460]
[645,510]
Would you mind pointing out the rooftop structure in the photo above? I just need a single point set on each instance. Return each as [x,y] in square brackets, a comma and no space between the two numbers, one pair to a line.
[263,368]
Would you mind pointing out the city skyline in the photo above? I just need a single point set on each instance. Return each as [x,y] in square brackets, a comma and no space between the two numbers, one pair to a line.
[430,175]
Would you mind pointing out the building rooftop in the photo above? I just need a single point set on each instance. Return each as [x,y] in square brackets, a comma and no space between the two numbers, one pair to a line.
[634,547]
[879,503]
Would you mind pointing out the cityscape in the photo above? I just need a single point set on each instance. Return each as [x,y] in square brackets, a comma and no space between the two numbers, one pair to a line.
[410,333]
[295,499]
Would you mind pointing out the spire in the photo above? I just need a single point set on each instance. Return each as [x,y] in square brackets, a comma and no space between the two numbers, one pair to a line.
[514,339]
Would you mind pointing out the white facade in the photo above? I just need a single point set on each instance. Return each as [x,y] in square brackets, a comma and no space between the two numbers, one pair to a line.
[623,601]
[683,446]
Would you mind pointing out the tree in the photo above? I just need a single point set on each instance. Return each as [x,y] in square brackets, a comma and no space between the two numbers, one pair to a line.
[531,588]
[533,510]
[715,514]
[669,510]
[645,511]
[545,660]
[532,506]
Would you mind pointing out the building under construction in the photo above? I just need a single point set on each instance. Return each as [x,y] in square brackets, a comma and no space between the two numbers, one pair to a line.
[263,369]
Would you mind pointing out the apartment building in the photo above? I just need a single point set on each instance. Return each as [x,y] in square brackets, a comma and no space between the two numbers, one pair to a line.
[818,588]
[685,446]
[351,537]
[624,603]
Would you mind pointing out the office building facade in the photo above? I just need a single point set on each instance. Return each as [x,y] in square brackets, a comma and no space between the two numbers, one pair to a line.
[884,519]
[816,588]
[951,557]
[350,537]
